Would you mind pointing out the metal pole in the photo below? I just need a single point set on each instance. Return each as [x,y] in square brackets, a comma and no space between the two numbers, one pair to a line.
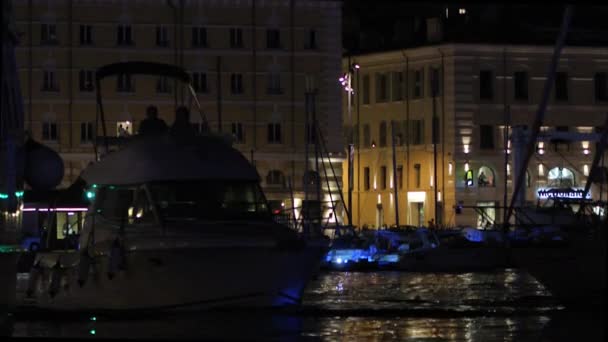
[170,3]
[395,185]
[219,94]
[350,145]
[505,135]
[434,133]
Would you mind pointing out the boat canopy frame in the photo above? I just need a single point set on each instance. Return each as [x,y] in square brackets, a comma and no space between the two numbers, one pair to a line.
[140,68]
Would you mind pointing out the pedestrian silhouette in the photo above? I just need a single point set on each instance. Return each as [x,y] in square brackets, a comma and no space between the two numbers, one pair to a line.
[152,125]
[182,127]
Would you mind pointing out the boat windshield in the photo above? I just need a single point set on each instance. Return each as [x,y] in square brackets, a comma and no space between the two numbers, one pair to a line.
[215,200]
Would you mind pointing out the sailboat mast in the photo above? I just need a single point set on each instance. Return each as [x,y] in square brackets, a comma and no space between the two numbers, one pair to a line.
[540,114]
[395,185]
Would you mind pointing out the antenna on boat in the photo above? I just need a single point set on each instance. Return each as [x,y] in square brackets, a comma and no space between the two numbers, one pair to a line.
[199,107]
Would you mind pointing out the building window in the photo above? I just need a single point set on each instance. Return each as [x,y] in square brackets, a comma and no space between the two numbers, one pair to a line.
[397,86]
[236,83]
[396,133]
[381,88]
[238,133]
[311,40]
[48,34]
[366,182]
[561,86]
[486,85]
[417,134]
[400,176]
[199,82]
[601,86]
[49,81]
[310,133]
[274,133]
[486,137]
[199,37]
[162,85]
[383,177]
[382,134]
[275,177]
[367,141]
[521,85]
[274,83]
[162,36]
[418,82]
[485,177]
[125,83]
[123,35]
[435,82]
[468,178]
[86,34]
[273,39]
[417,174]
[49,131]
[365,89]
[236,38]
[85,80]
[86,132]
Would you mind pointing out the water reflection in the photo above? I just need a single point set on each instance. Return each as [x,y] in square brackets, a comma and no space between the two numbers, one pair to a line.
[444,291]
[502,306]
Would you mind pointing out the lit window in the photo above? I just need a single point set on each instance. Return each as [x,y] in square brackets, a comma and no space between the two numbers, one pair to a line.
[124,128]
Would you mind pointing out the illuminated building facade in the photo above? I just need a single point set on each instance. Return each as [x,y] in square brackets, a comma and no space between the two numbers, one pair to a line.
[248,59]
[480,88]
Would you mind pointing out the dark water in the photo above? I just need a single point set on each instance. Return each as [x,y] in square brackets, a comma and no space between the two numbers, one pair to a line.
[507,305]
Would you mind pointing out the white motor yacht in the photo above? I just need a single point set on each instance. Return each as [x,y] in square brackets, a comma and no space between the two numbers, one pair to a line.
[176,223]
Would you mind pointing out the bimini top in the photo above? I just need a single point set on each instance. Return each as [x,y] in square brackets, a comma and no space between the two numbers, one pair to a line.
[162,158]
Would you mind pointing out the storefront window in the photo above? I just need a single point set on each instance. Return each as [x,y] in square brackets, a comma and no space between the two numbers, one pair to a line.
[486,214]
[561,178]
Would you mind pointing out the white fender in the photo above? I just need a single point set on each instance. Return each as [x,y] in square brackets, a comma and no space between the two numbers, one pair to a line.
[35,273]
[55,279]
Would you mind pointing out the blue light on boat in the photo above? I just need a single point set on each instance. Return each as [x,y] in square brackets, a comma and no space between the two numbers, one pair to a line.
[339,260]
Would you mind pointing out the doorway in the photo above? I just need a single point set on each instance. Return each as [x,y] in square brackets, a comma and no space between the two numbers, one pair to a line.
[379,216]
[417,214]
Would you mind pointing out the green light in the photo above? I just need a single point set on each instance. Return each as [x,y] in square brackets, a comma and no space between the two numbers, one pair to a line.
[94,186]
[92,331]
[112,187]
[93,318]
[3,196]
[18,194]
[90,195]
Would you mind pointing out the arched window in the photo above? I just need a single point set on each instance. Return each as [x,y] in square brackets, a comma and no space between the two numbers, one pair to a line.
[275,177]
[561,178]
[486,177]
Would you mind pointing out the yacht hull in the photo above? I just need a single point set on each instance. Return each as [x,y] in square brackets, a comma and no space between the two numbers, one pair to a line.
[574,274]
[180,279]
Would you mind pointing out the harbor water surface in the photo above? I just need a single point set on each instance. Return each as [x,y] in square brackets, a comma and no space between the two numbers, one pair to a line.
[505,305]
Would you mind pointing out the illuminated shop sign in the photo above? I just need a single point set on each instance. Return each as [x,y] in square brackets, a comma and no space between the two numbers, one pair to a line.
[562,193]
